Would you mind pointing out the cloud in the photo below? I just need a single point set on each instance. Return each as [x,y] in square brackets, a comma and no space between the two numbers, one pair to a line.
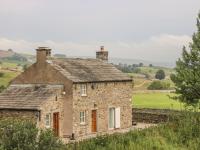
[163,47]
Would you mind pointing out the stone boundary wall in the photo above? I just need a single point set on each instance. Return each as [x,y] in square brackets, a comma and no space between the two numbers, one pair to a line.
[147,115]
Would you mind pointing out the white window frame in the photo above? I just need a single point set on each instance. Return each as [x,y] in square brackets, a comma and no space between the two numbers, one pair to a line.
[48,120]
[82,117]
[116,118]
[83,90]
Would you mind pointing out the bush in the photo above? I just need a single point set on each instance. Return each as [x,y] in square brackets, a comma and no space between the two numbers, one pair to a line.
[160,74]
[159,85]
[23,135]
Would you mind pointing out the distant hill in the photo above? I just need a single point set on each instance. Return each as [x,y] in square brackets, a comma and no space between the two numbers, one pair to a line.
[59,55]
[145,62]
[11,56]
[5,54]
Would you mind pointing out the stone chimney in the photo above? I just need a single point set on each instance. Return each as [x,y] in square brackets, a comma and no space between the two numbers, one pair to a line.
[102,54]
[43,53]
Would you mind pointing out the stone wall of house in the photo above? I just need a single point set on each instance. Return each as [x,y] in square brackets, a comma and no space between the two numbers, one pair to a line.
[19,114]
[53,105]
[100,97]
[45,74]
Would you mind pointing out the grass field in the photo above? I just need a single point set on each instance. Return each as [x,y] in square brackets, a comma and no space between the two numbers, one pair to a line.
[155,100]
[8,76]
[8,65]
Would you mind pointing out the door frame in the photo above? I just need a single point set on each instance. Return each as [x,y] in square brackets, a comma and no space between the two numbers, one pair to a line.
[56,119]
[96,120]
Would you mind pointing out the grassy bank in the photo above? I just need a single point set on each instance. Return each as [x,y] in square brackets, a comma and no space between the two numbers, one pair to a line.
[181,133]
[155,100]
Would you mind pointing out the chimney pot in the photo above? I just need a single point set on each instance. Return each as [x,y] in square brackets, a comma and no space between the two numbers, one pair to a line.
[43,53]
[102,54]
[102,48]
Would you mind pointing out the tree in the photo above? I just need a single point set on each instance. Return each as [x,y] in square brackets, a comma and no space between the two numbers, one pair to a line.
[141,64]
[25,67]
[160,74]
[150,65]
[187,72]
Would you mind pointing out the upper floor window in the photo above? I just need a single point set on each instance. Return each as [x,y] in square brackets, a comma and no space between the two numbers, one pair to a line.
[83,90]
[48,120]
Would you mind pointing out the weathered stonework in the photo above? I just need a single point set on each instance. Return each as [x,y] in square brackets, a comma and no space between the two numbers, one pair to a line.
[147,115]
[53,106]
[45,74]
[101,96]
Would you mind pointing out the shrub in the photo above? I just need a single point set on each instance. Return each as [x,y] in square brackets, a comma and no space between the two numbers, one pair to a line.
[24,135]
[159,85]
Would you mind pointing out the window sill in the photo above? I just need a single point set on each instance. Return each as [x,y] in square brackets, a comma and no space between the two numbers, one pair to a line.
[83,124]
[47,127]
[113,129]
[84,95]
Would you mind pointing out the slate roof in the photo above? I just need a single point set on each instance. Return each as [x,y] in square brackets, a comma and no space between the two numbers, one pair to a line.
[88,70]
[27,97]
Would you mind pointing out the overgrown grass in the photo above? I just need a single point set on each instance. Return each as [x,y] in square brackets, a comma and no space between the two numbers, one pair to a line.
[156,100]
[181,133]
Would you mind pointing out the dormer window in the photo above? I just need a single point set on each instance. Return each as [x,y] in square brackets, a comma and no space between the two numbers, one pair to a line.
[83,90]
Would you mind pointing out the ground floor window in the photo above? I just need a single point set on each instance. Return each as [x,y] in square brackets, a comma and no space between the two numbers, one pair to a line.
[48,120]
[114,118]
[82,117]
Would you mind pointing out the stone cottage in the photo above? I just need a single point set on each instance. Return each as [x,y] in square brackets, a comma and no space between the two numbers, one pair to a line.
[77,98]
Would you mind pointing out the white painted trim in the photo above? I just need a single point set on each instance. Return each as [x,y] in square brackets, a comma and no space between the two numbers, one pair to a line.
[117,117]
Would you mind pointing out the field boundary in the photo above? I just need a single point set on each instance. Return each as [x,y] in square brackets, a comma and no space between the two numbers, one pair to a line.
[148,115]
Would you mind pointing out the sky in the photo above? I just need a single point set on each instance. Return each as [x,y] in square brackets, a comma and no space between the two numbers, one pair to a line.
[153,30]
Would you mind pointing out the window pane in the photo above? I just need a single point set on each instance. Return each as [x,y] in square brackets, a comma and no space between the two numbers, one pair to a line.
[82,117]
[83,89]
[111,117]
[47,120]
